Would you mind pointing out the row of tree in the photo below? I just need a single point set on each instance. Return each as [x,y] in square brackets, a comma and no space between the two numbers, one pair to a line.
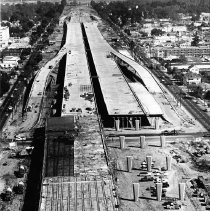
[30,14]
[4,83]
[126,12]
[47,14]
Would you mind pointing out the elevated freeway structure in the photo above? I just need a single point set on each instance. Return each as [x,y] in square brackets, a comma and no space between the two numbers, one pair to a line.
[78,95]
[37,93]
[123,101]
[75,173]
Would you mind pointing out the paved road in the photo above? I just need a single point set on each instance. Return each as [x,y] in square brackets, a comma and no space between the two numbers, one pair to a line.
[11,100]
[192,107]
[37,93]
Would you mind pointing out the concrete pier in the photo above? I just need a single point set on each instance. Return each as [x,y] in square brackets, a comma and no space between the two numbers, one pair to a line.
[137,124]
[168,163]
[181,191]
[142,142]
[149,163]
[162,141]
[159,188]
[136,191]
[157,123]
[122,142]
[117,124]
[129,163]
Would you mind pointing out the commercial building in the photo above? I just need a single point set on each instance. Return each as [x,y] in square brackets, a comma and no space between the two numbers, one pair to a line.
[10,61]
[4,36]
[164,52]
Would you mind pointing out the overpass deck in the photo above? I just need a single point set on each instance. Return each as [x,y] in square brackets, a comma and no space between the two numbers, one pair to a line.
[144,74]
[77,86]
[36,95]
[117,95]
[149,104]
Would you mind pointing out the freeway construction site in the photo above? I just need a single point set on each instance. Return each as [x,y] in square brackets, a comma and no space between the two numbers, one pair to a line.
[106,134]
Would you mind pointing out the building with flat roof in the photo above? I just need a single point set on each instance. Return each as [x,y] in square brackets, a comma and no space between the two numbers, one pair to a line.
[10,61]
[178,51]
[4,36]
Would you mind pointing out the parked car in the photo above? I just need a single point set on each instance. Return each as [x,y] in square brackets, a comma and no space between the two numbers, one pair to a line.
[169,133]
[146,178]
[20,138]
[206,135]
[172,205]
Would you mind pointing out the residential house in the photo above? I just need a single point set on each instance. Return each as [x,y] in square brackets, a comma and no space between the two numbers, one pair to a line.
[205,17]
[193,69]
[191,78]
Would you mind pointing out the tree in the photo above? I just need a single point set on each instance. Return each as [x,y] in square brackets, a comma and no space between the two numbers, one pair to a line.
[195,40]
[183,58]
[191,27]
[4,83]
[195,17]
[143,34]
[40,29]
[207,95]
[131,44]
[127,31]
[199,91]
[156,32]
[63,2]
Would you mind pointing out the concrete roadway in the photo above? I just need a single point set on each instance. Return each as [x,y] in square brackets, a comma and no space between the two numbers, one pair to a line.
[37,91]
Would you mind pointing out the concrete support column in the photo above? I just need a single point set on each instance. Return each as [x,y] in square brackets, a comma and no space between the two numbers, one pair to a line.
[149,163]
[137,124]
[136,191]
[157,123]
[159,189]
[168,163]
[181,191]
[142,142]
[117,124]
[129,163]
[162,141]
[122,142]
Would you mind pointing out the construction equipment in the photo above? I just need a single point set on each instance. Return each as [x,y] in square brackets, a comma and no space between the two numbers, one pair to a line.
[21,171]
[172,205]
[7,194]
[19,188]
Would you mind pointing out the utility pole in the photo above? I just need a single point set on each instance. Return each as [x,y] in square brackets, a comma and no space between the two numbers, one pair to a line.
[0,13]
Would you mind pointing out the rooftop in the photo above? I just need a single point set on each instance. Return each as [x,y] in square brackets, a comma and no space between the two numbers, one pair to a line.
[144,74]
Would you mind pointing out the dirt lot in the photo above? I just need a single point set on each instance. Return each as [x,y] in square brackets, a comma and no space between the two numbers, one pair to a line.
[8,174]
[181,172]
